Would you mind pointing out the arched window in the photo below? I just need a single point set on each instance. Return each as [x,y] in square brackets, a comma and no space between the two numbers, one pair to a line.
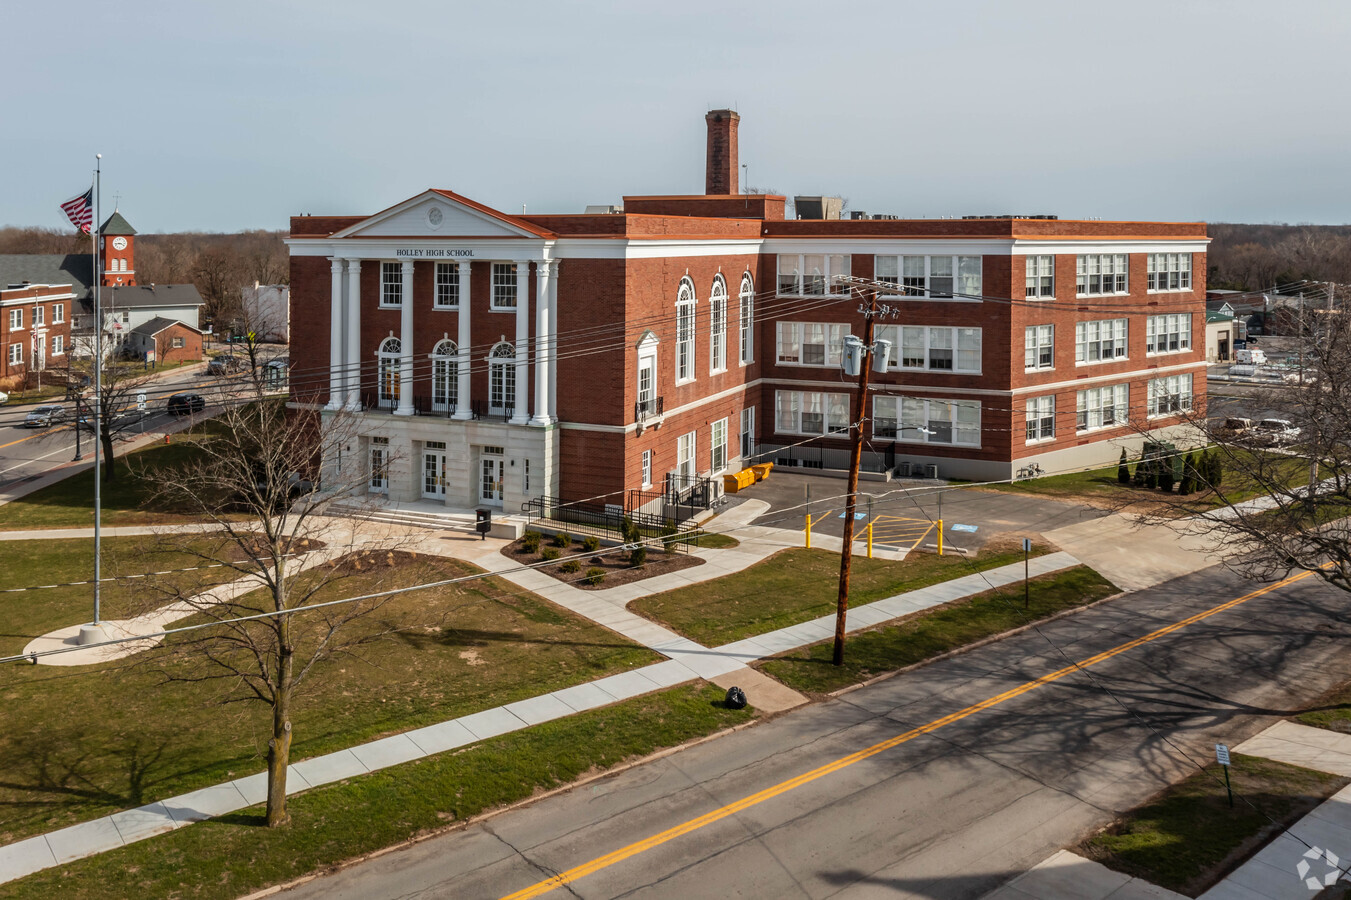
[717,326]
[747,300]
[685,332]
[387,364]
[445,377]
[502,380]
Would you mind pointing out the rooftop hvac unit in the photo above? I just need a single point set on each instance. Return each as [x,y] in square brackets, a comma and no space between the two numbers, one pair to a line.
[818,207]
[931,472]
[903,470]
[857,214]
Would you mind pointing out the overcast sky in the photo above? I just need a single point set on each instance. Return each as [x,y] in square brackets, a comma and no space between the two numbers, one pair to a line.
[222,116]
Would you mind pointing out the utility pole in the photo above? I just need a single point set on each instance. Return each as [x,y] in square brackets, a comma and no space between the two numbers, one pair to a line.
[855,454]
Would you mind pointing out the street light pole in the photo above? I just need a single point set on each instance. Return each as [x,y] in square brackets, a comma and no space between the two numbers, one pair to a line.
[855,455]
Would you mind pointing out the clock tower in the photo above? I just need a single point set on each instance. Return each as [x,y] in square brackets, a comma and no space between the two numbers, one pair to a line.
[117,251]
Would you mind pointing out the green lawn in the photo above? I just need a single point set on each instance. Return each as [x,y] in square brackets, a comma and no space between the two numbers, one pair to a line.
[233,855]
[1333,712]
[70,503]
[885,649]
[41,562]
[795,586]
[81,743]
[714,541]
[1187,838]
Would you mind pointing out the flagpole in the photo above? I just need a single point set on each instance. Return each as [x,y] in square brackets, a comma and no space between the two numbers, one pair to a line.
[90,634]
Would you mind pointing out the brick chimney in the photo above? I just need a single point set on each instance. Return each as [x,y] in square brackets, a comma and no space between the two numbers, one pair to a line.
[720,176]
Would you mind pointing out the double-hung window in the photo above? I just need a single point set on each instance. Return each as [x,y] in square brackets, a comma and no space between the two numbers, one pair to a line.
[810,412]
[15,319]
[932,276]
[647,468]
[1100,340]
[747,310]
[39,315]
[59,344]
[924,421]
[812,274]
[685,333]
[1097,274]
[811,343]
[1170,395]
[391,284]
[686,467]
[447,285]
[58,313]
[504,286]
[718,449]
[1039,347]
[1040,277]
[16,354]
[933,349]
[1102,407]
[1040,418]
[717,327]
[1168,334]
[1170,271]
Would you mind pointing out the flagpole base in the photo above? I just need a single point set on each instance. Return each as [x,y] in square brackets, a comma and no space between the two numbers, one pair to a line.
[91,634]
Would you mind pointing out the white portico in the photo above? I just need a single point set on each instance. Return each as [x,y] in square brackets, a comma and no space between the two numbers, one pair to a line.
[431,337]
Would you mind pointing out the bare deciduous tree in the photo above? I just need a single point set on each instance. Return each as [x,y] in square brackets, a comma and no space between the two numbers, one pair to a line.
[255,479]
[118,408]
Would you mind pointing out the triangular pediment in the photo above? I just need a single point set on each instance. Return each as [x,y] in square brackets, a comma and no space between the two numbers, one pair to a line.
[441,214]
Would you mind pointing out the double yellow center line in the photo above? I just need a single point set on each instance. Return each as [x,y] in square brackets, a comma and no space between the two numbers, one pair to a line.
[783,787]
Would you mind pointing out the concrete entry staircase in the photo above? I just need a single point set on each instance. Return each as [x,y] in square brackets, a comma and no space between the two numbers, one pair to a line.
[426,515]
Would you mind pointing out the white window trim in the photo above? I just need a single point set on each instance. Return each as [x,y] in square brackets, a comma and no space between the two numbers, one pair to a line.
[898,401]
[970,293]
[1152,270]
[686,304]
[1039,416]
[746,317]
[388,360]
[1081,267]
[826,402]
[832,289]
[833,335]
[714,467]
[647,357]
[497,269]
[717,338]
[1152,333]
[454,269]
[385,268]
[1081,355]
[894,333]
[1032,280]
[58,345]
[647,469]
[1036,349]
[16,320]
[58,313]
[448,362]
[15,354]
[1160,387]
[687,464]
[1082,409]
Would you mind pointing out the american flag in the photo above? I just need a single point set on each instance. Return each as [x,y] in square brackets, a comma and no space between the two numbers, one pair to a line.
[80,210]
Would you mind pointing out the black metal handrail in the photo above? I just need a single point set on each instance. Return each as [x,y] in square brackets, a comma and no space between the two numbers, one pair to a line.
[645,409]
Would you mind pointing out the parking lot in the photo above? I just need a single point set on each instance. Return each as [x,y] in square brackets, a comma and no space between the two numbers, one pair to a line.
[904,512]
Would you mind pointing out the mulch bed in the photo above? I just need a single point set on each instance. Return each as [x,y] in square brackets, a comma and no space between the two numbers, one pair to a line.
[616,565]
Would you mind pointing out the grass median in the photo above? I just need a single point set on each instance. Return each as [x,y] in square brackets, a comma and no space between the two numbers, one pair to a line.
[235,854]
[81,743]
[795,586]
[1187,838]
[928,634]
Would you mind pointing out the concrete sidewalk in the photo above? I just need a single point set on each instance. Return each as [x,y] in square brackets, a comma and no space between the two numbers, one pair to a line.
[688,661]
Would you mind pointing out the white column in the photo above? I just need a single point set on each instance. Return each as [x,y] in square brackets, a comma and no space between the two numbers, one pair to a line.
[521,415]
[464,407]
[336,350]
[353,364]
[543,351]
[406,343]
[553,337]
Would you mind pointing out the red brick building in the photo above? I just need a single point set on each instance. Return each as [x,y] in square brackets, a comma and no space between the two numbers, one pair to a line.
[495,358]
[34,330]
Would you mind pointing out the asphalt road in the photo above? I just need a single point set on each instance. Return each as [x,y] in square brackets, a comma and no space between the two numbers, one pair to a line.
[950,813]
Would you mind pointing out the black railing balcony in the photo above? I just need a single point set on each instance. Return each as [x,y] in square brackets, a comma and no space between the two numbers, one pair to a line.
[648,409]
[480,409]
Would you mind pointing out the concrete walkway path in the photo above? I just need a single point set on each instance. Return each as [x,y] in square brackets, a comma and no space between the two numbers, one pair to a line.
[1069,876]
[1132,554]
[688,661]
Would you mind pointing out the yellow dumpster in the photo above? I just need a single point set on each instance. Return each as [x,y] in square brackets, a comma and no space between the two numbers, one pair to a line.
[733,483]
[761,470]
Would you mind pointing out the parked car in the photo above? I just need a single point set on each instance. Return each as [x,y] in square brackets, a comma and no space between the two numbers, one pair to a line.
[1236,425]
[4,398]
[1275,431]
[186,404]
[225,365]
[44,417]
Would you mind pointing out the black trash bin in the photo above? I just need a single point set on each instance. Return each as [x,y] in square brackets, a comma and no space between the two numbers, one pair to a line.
[484,524]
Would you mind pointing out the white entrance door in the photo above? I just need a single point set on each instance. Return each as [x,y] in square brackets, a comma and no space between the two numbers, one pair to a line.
[491,471]
[434,474]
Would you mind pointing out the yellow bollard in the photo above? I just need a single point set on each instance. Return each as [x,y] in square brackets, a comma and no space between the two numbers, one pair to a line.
[809,531]
[940,537]
[870,540]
